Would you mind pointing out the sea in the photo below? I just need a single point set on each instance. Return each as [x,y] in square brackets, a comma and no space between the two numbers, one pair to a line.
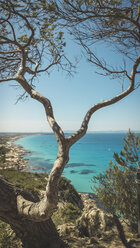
[88,157]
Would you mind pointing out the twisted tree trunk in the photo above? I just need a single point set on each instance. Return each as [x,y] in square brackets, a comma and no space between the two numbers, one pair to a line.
[32,234]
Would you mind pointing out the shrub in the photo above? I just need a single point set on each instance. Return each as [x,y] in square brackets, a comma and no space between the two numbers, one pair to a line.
[117,185]
[7,237]
[3,151]
[66,214]
[31,182]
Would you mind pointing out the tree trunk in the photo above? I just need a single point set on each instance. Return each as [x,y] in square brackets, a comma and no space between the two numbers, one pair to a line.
[32,234]
[38,234]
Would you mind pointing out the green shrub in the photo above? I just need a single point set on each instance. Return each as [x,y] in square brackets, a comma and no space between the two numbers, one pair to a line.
[31,182]
[68,193]
[66,214]
[7,237]
[117,188]
[3,151]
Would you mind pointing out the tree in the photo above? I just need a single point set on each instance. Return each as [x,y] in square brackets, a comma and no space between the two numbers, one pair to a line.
[115,23]
[117,185]
[29,39]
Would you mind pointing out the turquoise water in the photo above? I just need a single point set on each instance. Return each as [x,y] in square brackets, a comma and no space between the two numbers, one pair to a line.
[88,157]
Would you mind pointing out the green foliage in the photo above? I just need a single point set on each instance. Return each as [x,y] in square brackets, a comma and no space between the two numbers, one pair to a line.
[3,140]
[32,182]
[68,213]
[68,193]
[3,151]
[70,201]
[117,185]
[129,156]
[71,212]
[7,237]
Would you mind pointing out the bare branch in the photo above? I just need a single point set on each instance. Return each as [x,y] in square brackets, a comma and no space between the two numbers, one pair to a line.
[13,31]
[9,52]
[55,62]
[137,85]
[7,79]
[80,133]
[101,64]
[20,97]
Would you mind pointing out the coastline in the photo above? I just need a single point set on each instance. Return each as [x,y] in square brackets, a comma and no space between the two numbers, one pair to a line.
[14,157]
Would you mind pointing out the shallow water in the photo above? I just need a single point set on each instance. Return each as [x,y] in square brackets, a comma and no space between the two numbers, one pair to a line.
[88,157]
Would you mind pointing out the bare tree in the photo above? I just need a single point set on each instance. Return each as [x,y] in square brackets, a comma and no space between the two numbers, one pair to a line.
[29,39]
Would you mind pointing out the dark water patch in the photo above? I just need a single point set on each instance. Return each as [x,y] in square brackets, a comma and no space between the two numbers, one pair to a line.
[73,171]
[40,170]
[46,165]
[85,172]
[79,165]
[41,164]
[37,160]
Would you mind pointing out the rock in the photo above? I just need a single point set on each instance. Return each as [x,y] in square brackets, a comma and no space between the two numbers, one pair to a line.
[93,241]
[66,229]
[94,221]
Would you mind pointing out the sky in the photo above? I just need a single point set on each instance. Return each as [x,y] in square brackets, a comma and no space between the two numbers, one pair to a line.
[71,97]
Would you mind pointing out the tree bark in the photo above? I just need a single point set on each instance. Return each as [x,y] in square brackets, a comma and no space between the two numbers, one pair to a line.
[38,234]
[32,234]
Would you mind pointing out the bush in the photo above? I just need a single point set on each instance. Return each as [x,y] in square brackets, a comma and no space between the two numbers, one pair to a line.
[7,237]
[31,182]
[68,193]
[67,214]
[117,188]
[3,151]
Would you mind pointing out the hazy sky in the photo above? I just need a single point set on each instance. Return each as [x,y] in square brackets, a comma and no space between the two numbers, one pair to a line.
[71,97]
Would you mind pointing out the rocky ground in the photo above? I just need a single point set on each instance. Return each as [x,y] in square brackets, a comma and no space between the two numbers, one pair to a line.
[97,228]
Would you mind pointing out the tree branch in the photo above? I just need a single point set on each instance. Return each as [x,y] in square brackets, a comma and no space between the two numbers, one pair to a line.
[27,23]
[55,62]
[80,133]
[13,31]
[7,79]
[101,64]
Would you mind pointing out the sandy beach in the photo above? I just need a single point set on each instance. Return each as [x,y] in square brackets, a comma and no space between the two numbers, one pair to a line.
[14,157]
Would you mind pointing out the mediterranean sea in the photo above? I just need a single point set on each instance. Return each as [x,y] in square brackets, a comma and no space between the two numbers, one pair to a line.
[88,157]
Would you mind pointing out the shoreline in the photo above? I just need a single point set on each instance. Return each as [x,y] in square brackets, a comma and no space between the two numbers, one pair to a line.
[14,157]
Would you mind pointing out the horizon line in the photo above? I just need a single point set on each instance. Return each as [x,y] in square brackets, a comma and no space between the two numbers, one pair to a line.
[66,131]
